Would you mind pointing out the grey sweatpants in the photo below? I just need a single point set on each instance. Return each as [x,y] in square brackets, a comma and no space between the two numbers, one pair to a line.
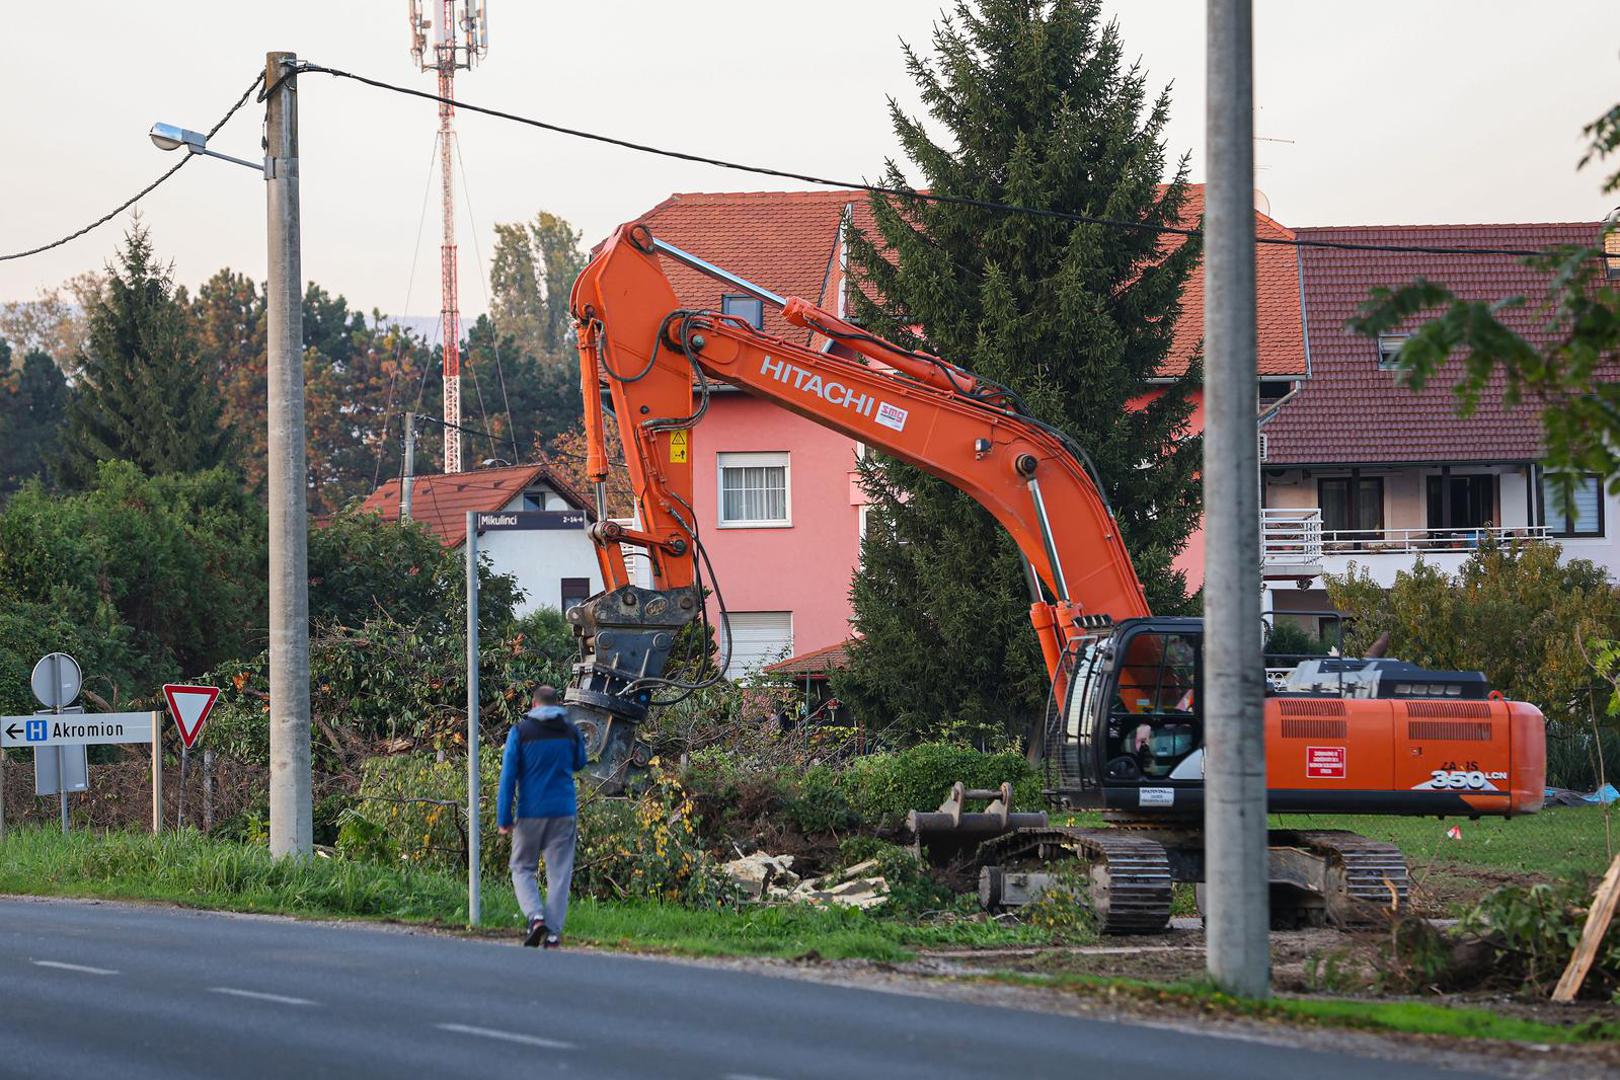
[550,838]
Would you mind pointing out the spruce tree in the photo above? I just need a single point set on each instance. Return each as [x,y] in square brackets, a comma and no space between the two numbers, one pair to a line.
[145,391]
[33,403]
[1039,109]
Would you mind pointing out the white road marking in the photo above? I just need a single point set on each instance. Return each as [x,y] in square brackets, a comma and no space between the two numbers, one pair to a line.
[279,999]
[74,967]
[506,1036]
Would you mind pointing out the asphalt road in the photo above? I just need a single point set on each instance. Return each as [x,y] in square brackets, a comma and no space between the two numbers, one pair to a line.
[99,991]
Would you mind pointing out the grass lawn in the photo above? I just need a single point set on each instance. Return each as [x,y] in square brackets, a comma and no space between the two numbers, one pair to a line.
[1410,1017]
[1553,843]
[190,869]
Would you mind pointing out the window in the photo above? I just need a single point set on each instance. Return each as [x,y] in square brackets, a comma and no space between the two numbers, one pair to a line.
[751,309]
[1155,720]
[757,638]
[1389,348]
[1350,504]
[754,491]
[575,591]
[1611,253]
[1461,502]
[1583,518]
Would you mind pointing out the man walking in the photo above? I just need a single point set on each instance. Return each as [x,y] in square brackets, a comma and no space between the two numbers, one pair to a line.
[543,752]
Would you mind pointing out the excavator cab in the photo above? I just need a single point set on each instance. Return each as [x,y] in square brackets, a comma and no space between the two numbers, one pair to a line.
[1133,719]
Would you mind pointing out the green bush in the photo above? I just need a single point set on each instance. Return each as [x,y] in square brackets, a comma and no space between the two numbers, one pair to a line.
[912,890]
[883,787]
[817,801]
[1533,930]
[648,848]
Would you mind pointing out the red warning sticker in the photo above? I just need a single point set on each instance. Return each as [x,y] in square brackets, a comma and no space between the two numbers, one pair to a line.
[1325,762]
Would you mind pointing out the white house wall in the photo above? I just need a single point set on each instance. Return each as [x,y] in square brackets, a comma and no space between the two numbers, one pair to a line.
[1406,507]
[540,558]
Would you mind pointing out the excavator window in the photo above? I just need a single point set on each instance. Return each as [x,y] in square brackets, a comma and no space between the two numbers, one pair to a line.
[1156,719]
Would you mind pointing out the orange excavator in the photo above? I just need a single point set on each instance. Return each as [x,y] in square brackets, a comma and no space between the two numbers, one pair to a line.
[1123,732]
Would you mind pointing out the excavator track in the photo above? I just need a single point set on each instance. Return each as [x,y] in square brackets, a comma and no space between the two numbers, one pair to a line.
[1130,875]
[1362,874]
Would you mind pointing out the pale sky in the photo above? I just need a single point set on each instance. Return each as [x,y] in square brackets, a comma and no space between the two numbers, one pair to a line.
[1419,111]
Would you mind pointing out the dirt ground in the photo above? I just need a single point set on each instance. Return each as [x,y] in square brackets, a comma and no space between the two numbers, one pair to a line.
[1179,954]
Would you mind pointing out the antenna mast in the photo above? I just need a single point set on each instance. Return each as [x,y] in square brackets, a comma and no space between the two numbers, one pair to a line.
[460,41]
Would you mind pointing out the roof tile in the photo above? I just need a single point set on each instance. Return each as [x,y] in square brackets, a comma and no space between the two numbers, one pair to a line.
[788,242]
[441,501]
[1349,411]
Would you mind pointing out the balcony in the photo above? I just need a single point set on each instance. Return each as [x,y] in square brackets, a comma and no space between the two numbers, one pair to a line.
[1293,544]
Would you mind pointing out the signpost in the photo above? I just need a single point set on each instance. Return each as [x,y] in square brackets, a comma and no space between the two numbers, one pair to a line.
[56,680]
[59,735]
[190,706]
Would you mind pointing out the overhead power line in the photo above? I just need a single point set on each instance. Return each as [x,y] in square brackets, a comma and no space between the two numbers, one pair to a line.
[145,191]
[786,174]
[903,193]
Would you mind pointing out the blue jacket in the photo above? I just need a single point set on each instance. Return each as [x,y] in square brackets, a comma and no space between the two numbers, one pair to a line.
[543,752]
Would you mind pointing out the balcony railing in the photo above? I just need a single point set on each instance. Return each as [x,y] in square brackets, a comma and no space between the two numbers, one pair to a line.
[1293,540]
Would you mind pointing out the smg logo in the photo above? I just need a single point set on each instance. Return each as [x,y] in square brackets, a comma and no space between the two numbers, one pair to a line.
[834,392]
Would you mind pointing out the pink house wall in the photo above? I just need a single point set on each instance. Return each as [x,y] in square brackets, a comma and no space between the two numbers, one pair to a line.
[805,567]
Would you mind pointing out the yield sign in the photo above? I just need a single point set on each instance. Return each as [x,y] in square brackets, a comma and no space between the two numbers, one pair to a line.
[190,706]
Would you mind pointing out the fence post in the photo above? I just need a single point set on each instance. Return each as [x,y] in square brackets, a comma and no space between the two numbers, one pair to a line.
[157,775]
[208,791]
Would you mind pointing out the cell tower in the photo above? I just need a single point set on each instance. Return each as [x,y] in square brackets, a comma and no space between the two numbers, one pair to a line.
[460,41]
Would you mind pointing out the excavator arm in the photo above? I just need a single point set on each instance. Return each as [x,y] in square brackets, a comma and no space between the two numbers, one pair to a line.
[658,362]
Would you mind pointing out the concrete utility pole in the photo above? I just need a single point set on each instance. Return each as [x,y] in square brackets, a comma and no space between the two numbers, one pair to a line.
[1236,862]
[407,476]
[473,854]
[291,825]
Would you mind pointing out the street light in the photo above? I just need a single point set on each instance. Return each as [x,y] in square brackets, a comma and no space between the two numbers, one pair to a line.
[290,779]
[171,137]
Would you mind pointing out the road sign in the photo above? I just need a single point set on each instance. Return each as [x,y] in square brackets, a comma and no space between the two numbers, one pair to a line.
[60,770]
[56,680]
[76,729]
[190,706]
[531,519]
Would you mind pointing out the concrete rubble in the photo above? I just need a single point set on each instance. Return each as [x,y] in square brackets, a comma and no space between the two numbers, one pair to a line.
[770,879]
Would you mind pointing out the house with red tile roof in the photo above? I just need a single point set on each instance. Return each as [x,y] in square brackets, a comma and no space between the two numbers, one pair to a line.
[532,526]
[775,494]
[1359,467]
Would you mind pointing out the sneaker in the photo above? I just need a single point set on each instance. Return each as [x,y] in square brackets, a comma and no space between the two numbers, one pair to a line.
[553,941]
[537,931]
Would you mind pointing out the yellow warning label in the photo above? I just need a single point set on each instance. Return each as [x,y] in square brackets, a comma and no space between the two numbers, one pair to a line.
[677,447]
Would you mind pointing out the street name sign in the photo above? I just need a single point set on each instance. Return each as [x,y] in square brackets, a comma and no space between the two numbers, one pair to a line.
[190,706]
[76,729]
[531,519]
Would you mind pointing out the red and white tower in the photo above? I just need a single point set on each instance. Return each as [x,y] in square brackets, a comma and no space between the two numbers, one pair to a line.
[460,40]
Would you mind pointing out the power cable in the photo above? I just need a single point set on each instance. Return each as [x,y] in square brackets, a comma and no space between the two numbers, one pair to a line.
[903,193]
[145,191]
